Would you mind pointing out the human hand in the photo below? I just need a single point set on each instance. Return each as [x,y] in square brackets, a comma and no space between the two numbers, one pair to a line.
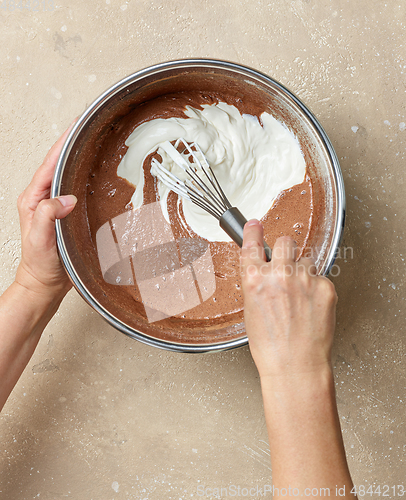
[40,270]
[289,312]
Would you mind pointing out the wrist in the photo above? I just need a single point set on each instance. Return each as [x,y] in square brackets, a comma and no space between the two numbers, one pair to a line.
[39,305]
[23,316]
[292,361]
[307,379]
[43,293]
[41,300]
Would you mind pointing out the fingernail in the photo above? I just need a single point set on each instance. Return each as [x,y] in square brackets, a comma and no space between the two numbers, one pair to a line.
[252,222]
[68,200]
[71,125]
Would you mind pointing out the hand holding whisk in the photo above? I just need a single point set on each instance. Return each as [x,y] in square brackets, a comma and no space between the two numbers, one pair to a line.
[201,187]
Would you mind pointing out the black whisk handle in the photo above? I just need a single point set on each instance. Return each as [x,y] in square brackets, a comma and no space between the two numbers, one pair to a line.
[232,222]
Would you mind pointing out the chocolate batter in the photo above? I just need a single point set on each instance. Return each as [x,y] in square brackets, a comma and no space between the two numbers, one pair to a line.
[108,196]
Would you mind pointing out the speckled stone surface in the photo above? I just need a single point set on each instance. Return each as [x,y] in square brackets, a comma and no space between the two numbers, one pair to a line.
[99,416]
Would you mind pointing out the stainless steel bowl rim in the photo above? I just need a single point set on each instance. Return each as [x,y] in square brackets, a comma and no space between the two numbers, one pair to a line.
[108,94]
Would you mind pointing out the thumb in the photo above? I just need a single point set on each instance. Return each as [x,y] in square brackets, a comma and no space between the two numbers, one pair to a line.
[252,252]
[43,222]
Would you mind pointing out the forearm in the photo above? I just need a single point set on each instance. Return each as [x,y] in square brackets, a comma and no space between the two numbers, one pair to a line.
[23,317]
[306,446]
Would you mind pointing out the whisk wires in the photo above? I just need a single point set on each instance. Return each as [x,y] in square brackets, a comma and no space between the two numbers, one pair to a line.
[202,187]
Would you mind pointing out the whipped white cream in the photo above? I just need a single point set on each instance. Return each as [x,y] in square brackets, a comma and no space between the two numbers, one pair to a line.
[253,162]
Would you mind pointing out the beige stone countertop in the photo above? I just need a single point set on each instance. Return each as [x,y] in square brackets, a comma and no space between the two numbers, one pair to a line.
[97,415]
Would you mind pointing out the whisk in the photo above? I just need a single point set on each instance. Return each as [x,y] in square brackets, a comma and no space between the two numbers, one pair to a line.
[201,187]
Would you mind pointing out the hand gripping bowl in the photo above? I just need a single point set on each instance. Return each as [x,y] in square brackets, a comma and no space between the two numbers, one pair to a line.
[77,246]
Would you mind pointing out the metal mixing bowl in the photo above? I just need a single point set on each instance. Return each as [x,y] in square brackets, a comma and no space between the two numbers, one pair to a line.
[200,74]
